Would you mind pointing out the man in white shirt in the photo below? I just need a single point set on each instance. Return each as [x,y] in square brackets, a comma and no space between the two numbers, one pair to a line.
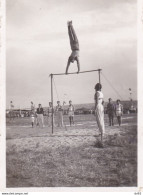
[119,111]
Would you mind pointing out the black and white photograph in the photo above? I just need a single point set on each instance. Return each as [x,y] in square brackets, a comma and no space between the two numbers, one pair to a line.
[71,103]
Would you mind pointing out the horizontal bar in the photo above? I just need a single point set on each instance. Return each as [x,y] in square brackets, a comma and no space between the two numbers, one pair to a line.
[76,72]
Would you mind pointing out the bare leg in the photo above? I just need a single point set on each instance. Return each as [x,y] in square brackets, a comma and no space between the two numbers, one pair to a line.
[73,37]
[70,120]
[72,33]
[119,121]
[42,120]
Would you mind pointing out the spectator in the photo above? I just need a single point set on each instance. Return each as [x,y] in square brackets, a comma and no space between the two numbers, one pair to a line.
[99,109]
[119,111]
[71,113]
[32,107]
[33,112]
[11,111]
[50,108]
[110,112]
[59,111]
[32,119]
[40,117]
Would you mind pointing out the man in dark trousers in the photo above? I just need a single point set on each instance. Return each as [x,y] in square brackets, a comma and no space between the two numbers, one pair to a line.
[110,112]
[74,47]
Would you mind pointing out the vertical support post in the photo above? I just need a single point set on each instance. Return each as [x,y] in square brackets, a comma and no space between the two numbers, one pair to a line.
[20,111]
[99,75]
[52,103]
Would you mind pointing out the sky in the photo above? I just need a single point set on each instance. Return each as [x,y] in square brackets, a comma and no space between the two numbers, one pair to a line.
[38,44]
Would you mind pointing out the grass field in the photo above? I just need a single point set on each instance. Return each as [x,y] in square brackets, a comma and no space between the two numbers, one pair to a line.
[71,157]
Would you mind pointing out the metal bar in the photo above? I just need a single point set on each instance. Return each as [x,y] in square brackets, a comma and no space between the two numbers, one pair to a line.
[99,75]
[78,73]
[52,103]
[51,75]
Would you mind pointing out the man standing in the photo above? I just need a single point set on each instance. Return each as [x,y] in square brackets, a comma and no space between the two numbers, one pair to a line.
[110,112]
[32,119]
[11,111]
[33,115]
[40,117]
[119,111]
[71,113]
[74,47]
[59,112]
[32,107]
[50,110]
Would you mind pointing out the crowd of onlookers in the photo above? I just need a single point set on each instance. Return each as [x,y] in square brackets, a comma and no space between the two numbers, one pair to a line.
[113,109]
[37,118]
[37,114]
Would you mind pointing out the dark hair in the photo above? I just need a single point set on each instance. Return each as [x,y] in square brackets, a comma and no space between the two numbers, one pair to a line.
[98,86]
[118,100]
[110,99]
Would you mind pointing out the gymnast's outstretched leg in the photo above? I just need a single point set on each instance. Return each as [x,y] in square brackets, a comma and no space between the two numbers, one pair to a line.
[74,47]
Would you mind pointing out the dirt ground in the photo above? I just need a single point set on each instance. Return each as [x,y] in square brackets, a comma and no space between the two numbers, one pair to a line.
[71,156]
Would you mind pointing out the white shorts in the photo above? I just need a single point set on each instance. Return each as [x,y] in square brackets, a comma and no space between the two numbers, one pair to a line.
[71,113]
[32,119]
[118,113]
[75,54]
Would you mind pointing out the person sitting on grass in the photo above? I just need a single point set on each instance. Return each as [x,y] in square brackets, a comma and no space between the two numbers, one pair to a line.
[74,47]
[71,113]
